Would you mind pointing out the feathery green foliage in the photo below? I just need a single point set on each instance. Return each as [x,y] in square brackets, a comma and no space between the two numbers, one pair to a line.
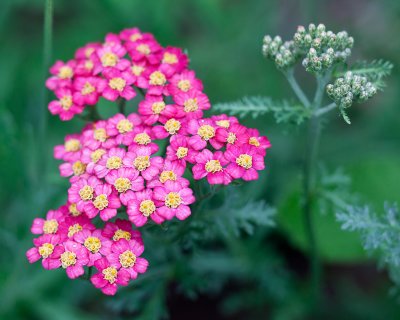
[283,111]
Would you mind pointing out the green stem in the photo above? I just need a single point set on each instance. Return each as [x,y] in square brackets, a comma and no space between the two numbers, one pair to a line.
[325,109]
[121,105]
[93,114]
[296,88]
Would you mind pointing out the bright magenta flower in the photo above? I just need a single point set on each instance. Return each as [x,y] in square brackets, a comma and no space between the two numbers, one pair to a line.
[141,207]
[211,165]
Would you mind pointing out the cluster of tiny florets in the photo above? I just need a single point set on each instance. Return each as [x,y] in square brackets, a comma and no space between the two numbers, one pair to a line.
[321,49]
[113,166]
[349,89]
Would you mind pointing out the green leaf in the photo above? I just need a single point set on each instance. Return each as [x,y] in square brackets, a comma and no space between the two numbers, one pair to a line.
[283,111]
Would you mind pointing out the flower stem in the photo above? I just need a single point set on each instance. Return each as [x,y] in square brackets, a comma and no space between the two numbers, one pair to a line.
[121,105]
[325,109]
[296,88]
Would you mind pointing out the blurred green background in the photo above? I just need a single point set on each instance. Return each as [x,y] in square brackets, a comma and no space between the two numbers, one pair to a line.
[223,38]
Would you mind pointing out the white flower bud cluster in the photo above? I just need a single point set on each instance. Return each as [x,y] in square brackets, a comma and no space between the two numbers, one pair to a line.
[349,89]
[323,48]
[284,54]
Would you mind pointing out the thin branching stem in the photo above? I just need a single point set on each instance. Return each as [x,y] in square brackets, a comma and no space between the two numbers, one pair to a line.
[296,88]
[326,109]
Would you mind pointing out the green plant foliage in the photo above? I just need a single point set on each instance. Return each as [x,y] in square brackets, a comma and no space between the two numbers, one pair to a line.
[283,111]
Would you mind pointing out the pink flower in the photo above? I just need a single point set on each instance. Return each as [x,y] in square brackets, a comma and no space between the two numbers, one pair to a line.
[203,131]
[86,51]
[105,201]
[109,278]
[132,34]
[44,247]
[62,75]
[210,165]
[173,200]
[245,161]
[191,104]
[95,136]
[173,60]
[146,49]
[224,121]
[261,143]
[70,150]
[48,225]
[142,137]
[87,90]
[76,168]
[109,56]
[65,107]
[126,181]
[152,108]
[72,225]
[96,244]
[142,161]
[171,126]
[138,70]
[126,256]
[109,162]
[91,158]
[71,256]
[155,82]
[81,191]
[171,171]
[184,82]
[121,229]
[235,135]
[122,128]
[118,84]
[141,207]
[180,151]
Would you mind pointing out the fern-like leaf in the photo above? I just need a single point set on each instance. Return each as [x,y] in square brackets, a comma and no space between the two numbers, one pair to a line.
[283,111]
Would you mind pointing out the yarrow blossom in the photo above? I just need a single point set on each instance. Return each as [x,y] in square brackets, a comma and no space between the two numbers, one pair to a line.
[119,165]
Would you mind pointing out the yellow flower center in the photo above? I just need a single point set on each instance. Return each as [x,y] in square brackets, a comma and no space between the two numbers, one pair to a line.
[109,59]
[169,58]
[158,107]
[45,250]
[66,102]
[142,138]
[68,259]
[182,152]
[72,145]
[143,49]
[121,234]
[147,207]
[114,162]
[122,184]
[101,202]
[96,155]
[213,166]
[190,105]
[117,84]
[100,134]
[245,161]
[88,52]
[157,78]
[231,138]
[141,162]
[184,85]
[73,210]
[223,123]
[50,226]
[93,244]
[206,132]
[78,168]
[124,126]
[135,36]
[74,229]
[65,72]
[172,126]
[167,175]
[86,193]
[110,274]
[137,70]
[173,200]
[254,141]
[87,89]
[127,259]
[89,65]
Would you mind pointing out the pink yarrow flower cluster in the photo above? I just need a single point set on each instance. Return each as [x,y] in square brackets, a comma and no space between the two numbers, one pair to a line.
[115,165]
